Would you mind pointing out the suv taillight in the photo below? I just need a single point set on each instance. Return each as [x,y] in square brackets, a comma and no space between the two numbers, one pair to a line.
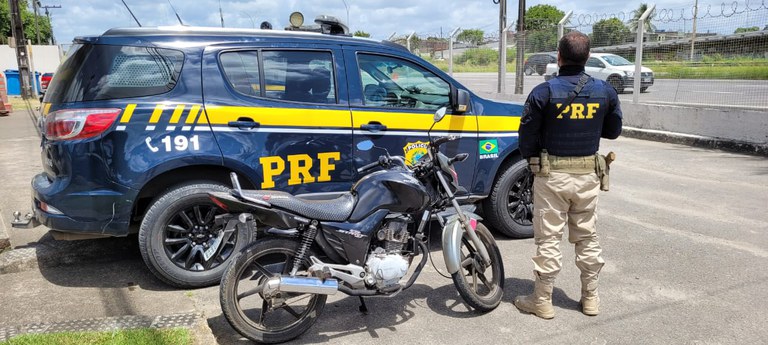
[74,124]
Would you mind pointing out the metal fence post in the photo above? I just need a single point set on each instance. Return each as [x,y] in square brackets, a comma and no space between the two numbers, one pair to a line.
[639,53]
[450,50]
[561,25]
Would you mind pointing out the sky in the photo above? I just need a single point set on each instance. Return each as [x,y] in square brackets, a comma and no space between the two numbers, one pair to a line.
[380,18]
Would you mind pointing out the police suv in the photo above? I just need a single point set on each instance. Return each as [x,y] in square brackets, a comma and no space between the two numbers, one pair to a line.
[140,122]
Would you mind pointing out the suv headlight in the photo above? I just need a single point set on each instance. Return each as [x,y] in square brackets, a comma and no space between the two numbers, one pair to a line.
[629,74]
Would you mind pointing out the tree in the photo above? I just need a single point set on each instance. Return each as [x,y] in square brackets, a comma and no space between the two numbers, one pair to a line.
[608,32]
[646,25]
[472,37]
[753,28]
[28,20]
[541,27]
[361,33]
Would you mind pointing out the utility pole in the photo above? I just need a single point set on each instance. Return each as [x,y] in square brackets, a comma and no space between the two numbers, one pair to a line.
[22,58]
[50,24]
[221,15]
[520,48]
[35,5]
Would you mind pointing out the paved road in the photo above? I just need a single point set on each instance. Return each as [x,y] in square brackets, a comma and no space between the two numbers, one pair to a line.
[744,93]
[685,233]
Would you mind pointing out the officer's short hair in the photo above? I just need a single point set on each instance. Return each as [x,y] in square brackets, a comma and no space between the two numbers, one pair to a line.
[574,48]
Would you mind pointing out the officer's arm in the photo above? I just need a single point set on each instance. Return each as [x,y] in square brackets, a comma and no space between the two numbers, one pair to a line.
[531,122]
[612,123]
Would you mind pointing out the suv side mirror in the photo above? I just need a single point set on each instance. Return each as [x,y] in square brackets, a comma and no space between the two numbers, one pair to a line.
[459,100]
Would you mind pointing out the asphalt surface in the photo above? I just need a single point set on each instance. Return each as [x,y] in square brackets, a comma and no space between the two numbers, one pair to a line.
[684,232]
[700,92]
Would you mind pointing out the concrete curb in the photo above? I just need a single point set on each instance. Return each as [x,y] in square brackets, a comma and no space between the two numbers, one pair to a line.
[696,141]
[191,321]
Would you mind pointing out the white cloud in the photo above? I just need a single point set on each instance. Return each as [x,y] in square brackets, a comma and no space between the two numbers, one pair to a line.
[378,17]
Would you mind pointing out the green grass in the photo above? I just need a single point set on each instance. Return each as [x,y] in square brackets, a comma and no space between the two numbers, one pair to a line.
[749,71]
[175,336]
[460,68]
[19,104]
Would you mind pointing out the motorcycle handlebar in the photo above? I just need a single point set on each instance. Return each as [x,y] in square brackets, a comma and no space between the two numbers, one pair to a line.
[443,140]
[367,167]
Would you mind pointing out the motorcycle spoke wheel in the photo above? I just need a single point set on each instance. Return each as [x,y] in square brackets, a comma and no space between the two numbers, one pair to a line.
[481,285]
[258,314]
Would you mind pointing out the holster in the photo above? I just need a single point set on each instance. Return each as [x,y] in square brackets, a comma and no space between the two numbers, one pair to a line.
[602,168]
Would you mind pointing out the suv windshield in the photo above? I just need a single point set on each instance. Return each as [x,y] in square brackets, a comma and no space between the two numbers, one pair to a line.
[101,72]
[616,60]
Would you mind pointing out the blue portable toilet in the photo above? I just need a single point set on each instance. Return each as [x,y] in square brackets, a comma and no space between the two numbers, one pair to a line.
[13,84]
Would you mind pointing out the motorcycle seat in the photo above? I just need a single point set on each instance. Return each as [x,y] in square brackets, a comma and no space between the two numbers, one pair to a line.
[337,209]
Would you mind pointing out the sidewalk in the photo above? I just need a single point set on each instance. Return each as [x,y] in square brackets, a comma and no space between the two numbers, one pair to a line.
[51,286]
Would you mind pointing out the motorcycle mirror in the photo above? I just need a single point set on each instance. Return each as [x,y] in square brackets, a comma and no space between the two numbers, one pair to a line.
[365,145]
[440,114]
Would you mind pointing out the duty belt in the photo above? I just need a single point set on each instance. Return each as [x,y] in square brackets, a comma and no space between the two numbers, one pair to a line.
[573,165]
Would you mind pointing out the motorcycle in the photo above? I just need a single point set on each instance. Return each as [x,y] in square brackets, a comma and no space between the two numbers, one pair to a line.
[362,243]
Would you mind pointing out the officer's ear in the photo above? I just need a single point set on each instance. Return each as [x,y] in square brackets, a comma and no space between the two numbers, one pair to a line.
[559,60]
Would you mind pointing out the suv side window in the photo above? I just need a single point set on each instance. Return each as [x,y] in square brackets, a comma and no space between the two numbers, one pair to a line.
[594,62]
[392,82]
[300,76]
[242,70]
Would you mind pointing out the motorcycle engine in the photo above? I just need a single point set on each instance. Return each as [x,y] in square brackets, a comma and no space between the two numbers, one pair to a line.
[386,265]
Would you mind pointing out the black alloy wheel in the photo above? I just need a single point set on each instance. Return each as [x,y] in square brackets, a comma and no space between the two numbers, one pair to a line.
[193,242]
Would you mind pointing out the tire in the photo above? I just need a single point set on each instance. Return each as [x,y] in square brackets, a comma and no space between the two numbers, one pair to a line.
[480,293]
[617,84]
[275,255]
[528,70]
[643,89]
[172,245]
[509,208]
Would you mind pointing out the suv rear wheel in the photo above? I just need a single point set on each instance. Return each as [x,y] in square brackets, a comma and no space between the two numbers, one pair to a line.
[179,241]
[509,208]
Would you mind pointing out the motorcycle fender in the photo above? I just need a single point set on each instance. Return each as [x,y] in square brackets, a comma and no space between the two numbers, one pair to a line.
[452,233]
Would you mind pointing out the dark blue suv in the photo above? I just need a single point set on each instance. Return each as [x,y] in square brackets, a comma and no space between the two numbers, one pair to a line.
[140,122]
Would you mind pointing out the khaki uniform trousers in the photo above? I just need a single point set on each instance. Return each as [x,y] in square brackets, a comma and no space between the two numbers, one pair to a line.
[559,199]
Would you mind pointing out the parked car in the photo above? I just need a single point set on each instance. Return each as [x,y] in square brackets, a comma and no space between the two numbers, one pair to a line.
[537,63]
[614,69]
[140,123]
[45,80]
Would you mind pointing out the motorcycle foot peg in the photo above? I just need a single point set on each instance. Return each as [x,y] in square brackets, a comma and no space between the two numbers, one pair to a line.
[363,308]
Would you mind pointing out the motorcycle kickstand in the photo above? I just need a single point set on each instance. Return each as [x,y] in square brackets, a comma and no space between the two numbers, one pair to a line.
[363,309]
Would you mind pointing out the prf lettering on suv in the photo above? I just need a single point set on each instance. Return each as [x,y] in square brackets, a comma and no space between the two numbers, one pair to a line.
[139,123]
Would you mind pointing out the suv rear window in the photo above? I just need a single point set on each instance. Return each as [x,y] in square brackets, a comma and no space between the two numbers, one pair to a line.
[100,72]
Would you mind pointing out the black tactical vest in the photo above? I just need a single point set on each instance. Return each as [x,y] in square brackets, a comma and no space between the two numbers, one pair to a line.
[574,130]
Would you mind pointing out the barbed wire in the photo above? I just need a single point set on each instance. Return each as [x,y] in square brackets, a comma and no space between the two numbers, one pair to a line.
[669,15]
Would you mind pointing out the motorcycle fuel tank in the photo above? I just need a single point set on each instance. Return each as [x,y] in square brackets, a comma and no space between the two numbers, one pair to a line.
[393,190]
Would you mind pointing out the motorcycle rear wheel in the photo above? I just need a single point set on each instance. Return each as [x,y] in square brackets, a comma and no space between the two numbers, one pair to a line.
[481,286]
[267,320]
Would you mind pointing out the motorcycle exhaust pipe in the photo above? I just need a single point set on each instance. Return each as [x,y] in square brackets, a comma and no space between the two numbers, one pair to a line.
[302,285]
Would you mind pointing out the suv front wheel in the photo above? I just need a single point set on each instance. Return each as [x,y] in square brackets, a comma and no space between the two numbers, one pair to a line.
[509,208]
[180,242]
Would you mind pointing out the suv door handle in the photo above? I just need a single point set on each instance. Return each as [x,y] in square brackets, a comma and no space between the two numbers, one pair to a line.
[373,126]
[243,123]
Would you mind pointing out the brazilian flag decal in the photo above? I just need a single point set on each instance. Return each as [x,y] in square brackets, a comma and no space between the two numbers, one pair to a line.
[488,149]
[489,146]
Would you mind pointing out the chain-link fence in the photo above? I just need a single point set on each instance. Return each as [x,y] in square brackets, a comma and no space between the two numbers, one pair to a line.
[702,55]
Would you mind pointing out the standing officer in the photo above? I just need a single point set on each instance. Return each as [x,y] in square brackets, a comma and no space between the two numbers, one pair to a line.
[563,121]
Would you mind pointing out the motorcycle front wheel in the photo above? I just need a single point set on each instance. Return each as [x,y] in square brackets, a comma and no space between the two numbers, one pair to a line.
[275,319]
[480,285]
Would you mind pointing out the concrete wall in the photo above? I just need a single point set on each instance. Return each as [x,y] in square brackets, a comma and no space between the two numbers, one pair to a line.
[45,58]
[744,130]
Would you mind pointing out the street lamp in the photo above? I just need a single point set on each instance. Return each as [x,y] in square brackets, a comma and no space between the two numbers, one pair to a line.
[347,7]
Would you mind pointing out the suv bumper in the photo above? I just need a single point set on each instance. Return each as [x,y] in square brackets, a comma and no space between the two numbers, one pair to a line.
[644,82]
[101,211]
